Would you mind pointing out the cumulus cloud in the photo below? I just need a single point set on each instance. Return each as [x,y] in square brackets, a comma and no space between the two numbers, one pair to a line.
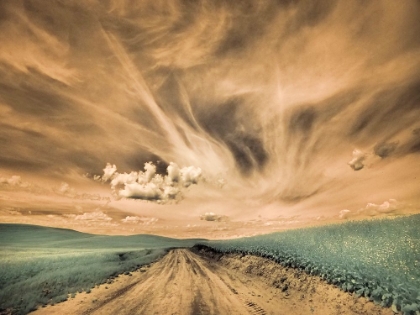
[141,220]
[150,171]
[15,181]
[173,173]
[11,211]
[67,191]
[209,89]
[387,207]
[356,162]
[147,185]
[131,219]
[190,175]
[211,216]
[344,214]
[121,179]
[93,216]
[109,171]
[171,192]
[135,190]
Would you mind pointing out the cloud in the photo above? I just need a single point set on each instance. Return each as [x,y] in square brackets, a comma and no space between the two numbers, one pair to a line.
[148,191]
[97,216]
[344,214]
[225,87]
[14,180]
[136,220]
[121,179]
[11,210]
[387,207]
[171,192]
[211,216]
[150,186]
[109,171]
[356,162]
[384,149]
[65,190]
[190,175]
[150,171]
[173,173]
[131,219]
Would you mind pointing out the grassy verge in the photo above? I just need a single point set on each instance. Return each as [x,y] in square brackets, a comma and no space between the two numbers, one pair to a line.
[40,265]
[379,259]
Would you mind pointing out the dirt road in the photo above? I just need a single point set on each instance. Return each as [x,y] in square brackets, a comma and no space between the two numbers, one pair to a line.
[185,283]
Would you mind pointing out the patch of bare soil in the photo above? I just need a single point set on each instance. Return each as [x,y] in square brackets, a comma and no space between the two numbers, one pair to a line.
[202,282]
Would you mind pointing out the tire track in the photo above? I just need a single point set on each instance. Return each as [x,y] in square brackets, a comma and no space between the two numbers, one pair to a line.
[255,309]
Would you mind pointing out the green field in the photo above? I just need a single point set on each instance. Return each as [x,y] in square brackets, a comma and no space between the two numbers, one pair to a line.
[40,265]
[379,259]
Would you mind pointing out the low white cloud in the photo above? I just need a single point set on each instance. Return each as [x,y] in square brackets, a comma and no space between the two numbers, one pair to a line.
[150,171]
[135,190]
[170,192]
[109,171]
[387,207]
[14,181]
[121,179]
[356,163]
[190,175]
[211,216]
[147,185]
[344,214]
[11,211]
[67,191]
[93,216]
[64,189]
[173,173]
[131,219]
[139,220]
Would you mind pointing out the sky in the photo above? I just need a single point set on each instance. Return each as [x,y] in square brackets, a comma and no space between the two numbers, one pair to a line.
[215,117]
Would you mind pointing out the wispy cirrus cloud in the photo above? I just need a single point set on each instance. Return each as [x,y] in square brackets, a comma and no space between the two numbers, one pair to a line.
[270,95]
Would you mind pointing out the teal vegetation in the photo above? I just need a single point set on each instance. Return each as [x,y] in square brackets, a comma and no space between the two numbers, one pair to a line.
[378,259]
[40,265]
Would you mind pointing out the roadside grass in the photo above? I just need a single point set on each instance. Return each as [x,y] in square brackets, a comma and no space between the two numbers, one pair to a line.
[379,259]
[40,265]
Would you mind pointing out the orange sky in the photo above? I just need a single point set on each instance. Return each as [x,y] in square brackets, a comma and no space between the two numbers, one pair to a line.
[295,112]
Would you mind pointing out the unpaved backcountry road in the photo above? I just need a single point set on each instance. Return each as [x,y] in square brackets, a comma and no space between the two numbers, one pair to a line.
[186,283]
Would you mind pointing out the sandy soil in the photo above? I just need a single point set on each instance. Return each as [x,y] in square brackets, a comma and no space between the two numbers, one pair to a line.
[203,282]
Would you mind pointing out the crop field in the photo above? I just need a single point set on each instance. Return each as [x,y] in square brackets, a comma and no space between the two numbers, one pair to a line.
[40,265]
[379,259]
